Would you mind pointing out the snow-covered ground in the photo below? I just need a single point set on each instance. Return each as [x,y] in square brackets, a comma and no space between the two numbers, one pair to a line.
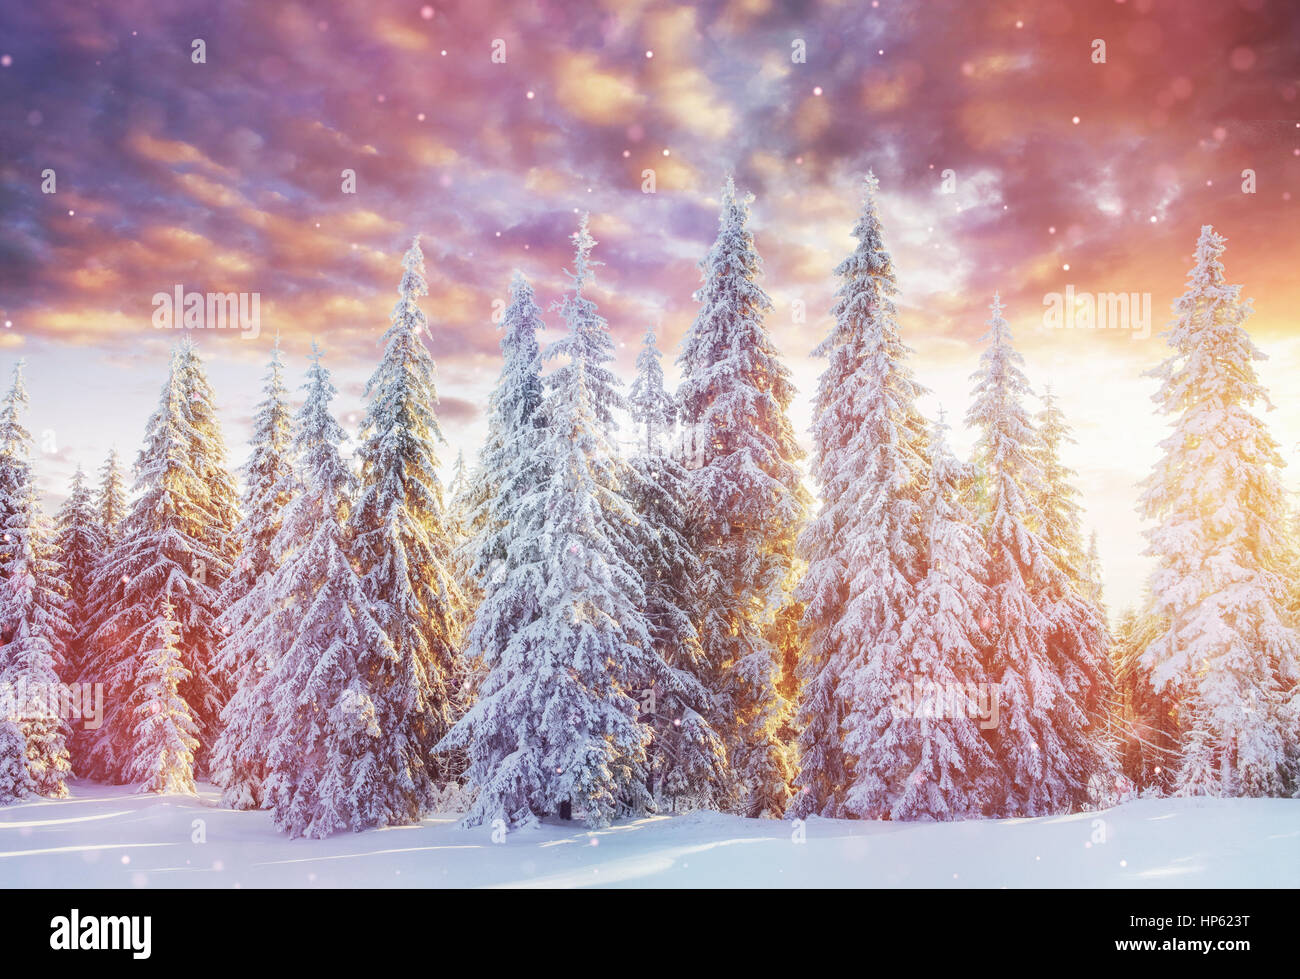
[107,837]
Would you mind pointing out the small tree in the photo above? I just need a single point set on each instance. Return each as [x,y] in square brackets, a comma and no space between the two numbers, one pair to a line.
[79,542]
[686,756]
[162,758]
[15,781]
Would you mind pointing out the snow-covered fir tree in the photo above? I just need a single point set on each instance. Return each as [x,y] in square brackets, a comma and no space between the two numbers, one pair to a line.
[1062,526]
[208,458]
[15,451]
[561,630]
[1080,641]
[457,486]
[509,473]
[460,532]
[1092,573]
[269,484]
[110,509]
[33,621]
[171,544]
[457,518]
[316,708]
[404,552]
[110,501]
[15,780]
[1044,731]
[862,547]
[219,503]
[1227,647]
[162,751]
[651,406]
[687,757]
[589,337]
[504,474]
[746,504]
[944,708]
[79,542]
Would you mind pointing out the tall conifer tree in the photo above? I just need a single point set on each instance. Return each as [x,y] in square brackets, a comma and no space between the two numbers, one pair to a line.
[746,504]
[1227,646]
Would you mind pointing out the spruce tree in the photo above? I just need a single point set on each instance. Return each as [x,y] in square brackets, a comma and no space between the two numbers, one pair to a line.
[589,342]
[15,780]
[239,754]
[80,543]
[459,522]
[208,459]
[404,553]
[268,484]
[1080,641]
[505,473]
[650,404]
[171,545]
[33,622]
[1062,527]
[862,548]
[746,504]
[1092,573]
[940,718]
[1227,649]
[110,502]
[110,509]
[15,451]
[497,545]
[561,630]
[162,755]
[316,708]
[687,757]
[1043,732]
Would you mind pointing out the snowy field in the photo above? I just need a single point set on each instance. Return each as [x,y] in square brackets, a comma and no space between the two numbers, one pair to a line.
[107,837]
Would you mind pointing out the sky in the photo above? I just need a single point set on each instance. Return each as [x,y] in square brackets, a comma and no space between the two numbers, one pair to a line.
[1026,147]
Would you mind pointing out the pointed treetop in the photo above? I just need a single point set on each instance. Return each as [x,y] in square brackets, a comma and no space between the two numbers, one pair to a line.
[939,434]
[12,433]
[1209,246]
[413,283]
[17,389]
[1210,241]
[735,204]
[583,242]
